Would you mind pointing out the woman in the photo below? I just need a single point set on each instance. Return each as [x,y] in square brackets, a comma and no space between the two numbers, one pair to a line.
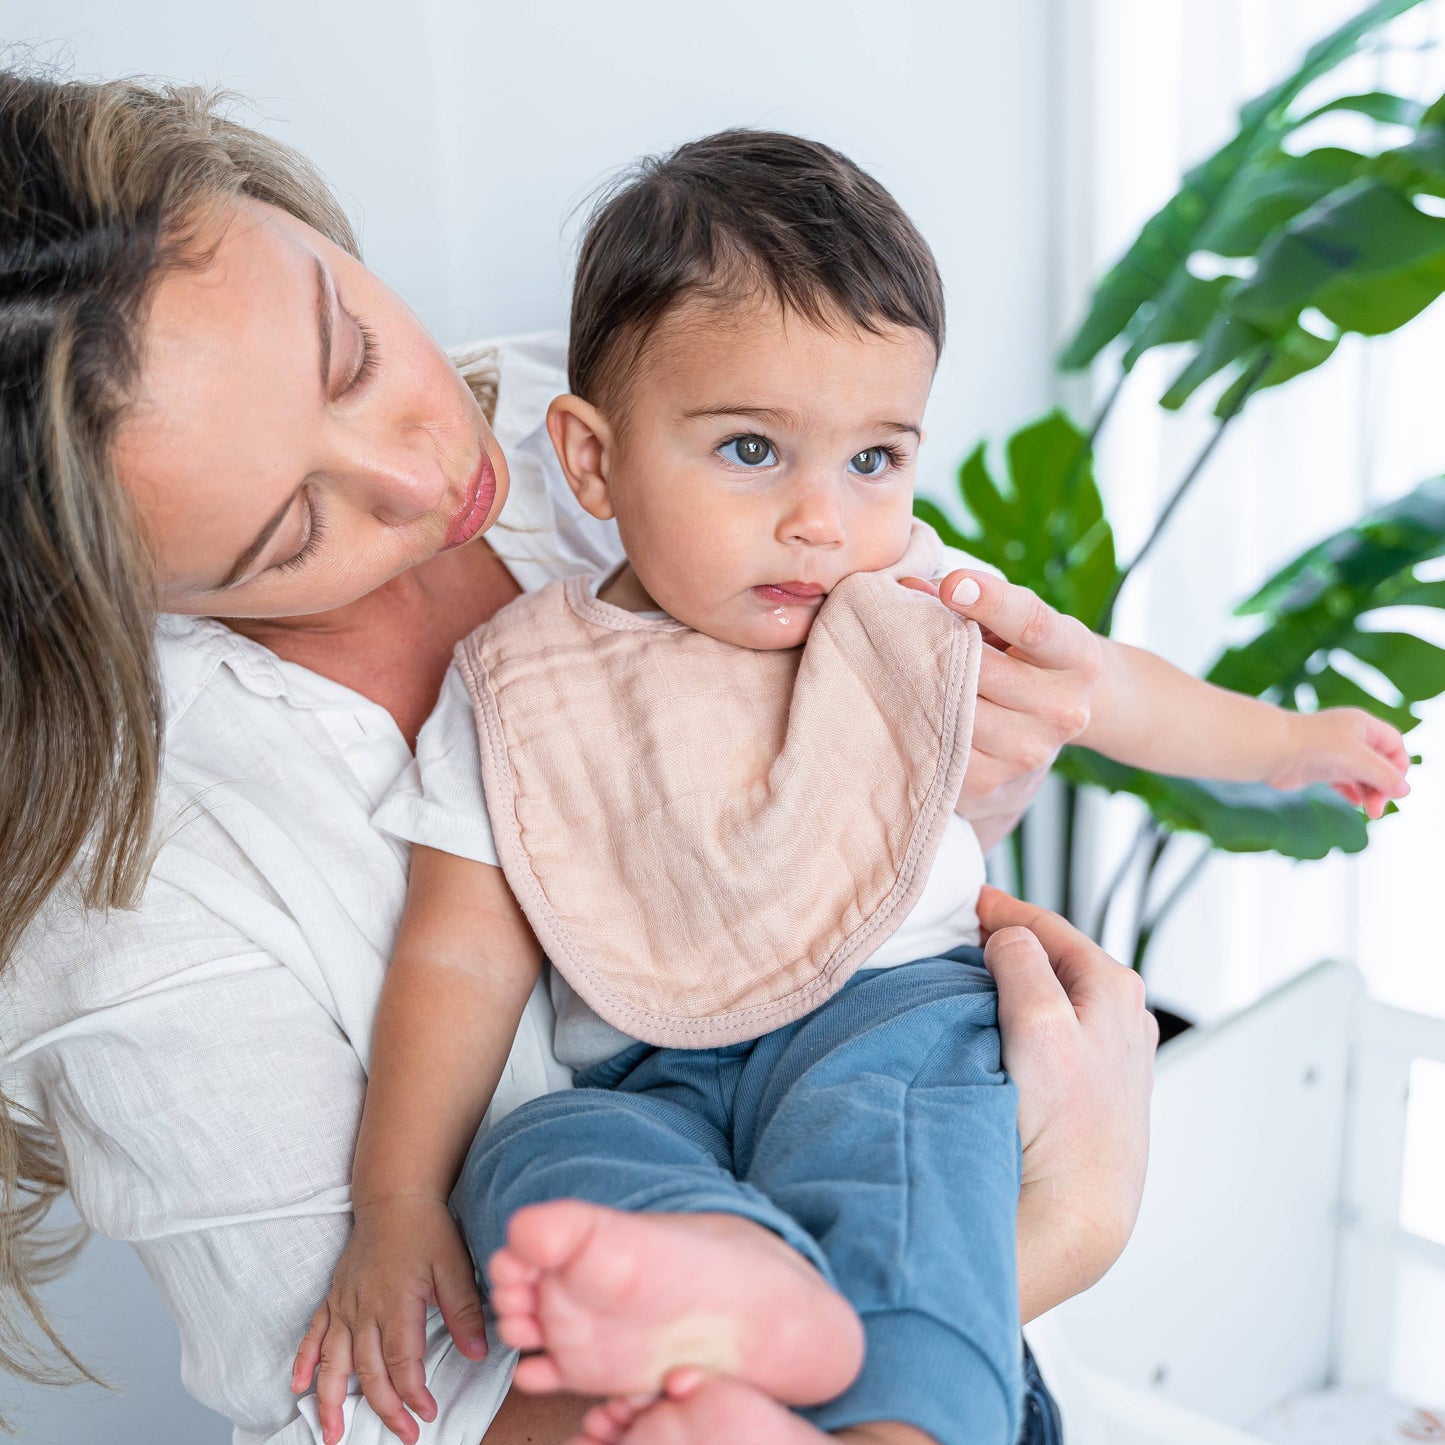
[213,412]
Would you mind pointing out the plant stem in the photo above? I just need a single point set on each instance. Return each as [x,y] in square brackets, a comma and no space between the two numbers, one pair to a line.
[1151,927]
[1069,832]
[1019,850]
[1161,841]
[1106,901]
[1086,450]
[1252,379]
[1108,406]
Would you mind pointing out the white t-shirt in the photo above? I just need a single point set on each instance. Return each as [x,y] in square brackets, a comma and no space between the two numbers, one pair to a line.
[203,1058]
[439,802]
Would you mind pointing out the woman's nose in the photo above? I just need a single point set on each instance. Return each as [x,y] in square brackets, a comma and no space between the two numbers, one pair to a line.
[813,516]
[399,482]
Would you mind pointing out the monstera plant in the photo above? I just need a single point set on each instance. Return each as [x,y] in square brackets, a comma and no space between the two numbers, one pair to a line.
[1269,254]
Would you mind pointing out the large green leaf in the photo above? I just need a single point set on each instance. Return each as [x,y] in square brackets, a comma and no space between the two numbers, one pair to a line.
[1148,278]
[1042,523]
[1377,105]
[1275,188]
[1235,817]
[1311,612]
[1364,256]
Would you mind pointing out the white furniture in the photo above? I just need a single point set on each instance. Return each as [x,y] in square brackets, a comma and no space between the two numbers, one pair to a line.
[1269,1259]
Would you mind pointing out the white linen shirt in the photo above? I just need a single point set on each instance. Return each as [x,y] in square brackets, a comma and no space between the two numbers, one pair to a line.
[202,1059]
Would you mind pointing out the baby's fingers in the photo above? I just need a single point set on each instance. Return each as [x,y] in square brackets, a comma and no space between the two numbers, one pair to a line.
[403,1345]
[1388,742]
[1377,771]
[332,1380]
[376,1384]
[461,1306]
[308,1353]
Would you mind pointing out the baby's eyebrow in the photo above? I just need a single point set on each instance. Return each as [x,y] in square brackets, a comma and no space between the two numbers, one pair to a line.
[761,413]
[789,419]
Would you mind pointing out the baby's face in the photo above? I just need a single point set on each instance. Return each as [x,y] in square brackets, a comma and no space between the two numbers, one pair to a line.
[760,461]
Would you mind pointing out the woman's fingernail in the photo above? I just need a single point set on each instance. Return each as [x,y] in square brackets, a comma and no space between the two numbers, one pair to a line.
[966,593]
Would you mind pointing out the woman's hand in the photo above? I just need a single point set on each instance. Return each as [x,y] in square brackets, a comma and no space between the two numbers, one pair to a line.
[1079,1043]
[404,1255]
[1038,672]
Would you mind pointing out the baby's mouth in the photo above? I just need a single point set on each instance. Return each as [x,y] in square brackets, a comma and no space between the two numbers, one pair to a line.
[794,593]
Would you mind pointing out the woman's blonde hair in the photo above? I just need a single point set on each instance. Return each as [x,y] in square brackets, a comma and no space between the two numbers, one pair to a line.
[103,187]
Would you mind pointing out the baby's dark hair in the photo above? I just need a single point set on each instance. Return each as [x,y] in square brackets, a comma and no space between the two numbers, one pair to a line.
[735,215]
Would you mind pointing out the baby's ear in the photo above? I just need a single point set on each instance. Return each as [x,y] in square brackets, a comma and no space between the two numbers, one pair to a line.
[581,438]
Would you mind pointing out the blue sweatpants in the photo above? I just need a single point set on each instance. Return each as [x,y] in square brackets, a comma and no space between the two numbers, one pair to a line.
[877,1135]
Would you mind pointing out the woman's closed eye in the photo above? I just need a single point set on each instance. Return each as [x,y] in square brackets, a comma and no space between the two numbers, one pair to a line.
[315,534]
[366,359]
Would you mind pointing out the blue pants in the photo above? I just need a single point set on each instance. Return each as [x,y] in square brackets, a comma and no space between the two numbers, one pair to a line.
[878,1136]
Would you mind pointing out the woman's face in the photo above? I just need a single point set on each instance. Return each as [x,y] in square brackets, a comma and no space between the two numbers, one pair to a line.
[297,438]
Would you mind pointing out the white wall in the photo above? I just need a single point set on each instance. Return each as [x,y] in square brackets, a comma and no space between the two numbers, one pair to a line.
[464,138]
[463,132]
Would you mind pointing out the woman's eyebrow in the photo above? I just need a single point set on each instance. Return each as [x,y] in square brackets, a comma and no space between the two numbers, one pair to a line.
[323,322]
[244,562]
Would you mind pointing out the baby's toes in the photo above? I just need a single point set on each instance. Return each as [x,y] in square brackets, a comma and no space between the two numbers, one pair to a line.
[514,1299]
[506,1268]
[521,1331]
[603,1424]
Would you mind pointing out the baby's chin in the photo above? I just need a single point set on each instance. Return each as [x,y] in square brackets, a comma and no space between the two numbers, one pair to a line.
[766,631]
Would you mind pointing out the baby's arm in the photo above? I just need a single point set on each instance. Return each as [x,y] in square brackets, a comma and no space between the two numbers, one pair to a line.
[1149,714]
[464,967]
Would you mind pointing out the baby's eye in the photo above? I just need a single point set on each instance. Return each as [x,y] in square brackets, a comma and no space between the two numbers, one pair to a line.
[748,451]
[871,462]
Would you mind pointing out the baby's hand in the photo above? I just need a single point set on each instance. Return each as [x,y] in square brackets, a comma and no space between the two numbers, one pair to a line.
[404,1255]
[1359,756]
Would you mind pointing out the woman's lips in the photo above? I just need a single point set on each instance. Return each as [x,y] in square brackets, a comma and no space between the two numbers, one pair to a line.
[790,592]
[476,503]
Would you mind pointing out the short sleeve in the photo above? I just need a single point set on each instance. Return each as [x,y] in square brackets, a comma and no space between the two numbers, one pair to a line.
[438,801]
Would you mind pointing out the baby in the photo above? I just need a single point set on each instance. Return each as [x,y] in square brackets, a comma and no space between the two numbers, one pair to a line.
[720,787]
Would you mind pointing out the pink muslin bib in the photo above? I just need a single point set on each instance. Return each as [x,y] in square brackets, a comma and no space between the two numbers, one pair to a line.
[708,840]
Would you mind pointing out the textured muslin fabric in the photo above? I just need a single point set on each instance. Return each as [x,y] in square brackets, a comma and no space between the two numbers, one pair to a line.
[438,803]
[877,1136]
[709,839]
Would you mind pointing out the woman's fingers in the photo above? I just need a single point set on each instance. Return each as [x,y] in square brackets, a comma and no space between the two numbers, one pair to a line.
[1082,968]
[1025,622]
[1029,993]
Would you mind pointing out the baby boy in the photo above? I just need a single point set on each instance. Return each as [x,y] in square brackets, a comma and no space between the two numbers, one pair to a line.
[720,793]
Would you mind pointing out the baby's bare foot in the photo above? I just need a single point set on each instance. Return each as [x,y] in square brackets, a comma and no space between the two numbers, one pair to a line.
[612,1302]
[607,1423]
[703,1409]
